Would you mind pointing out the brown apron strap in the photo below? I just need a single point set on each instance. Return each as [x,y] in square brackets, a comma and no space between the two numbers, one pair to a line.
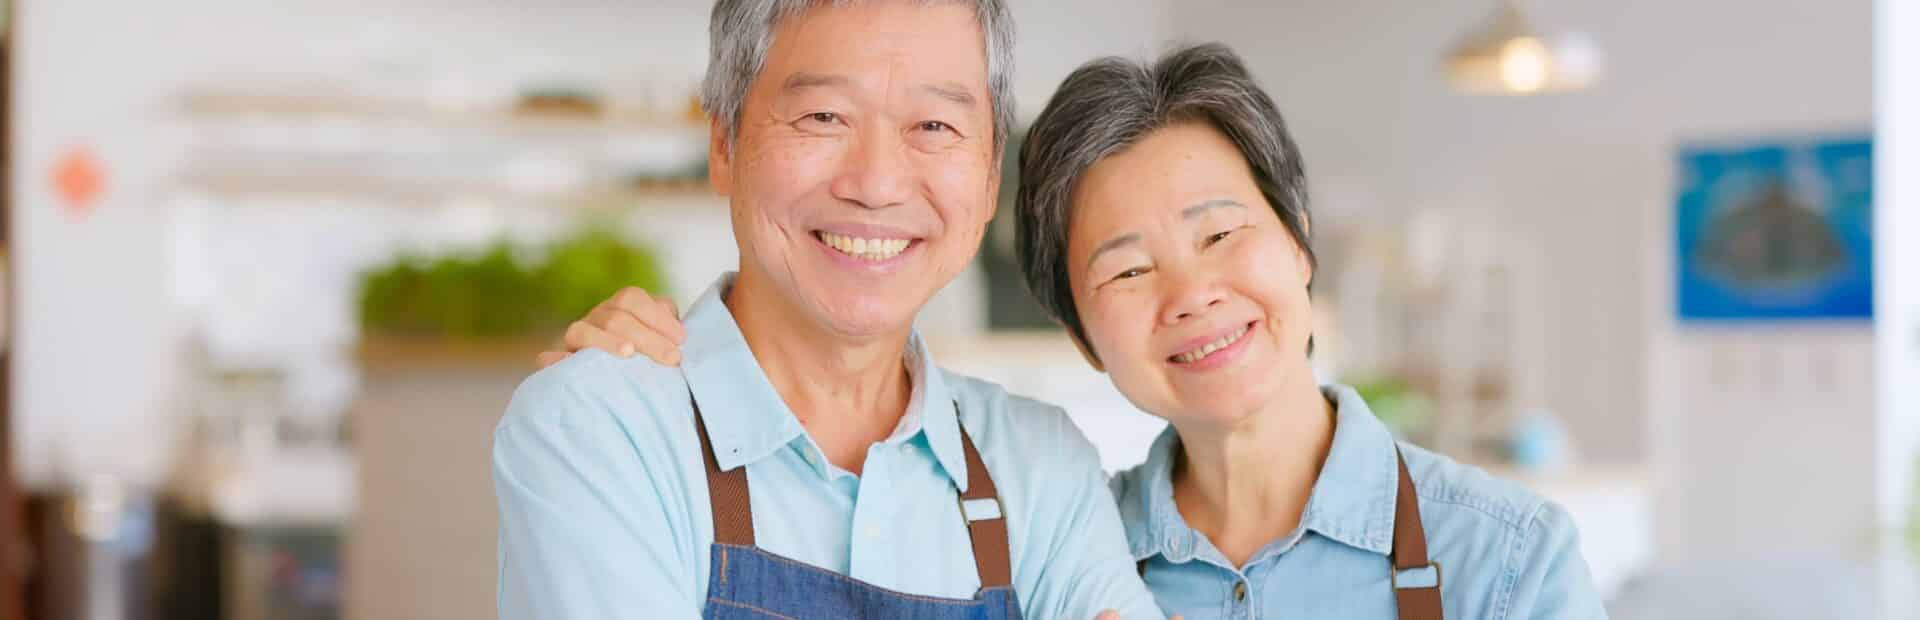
[1410,553]
[726,491]
[733,507]
[990,554]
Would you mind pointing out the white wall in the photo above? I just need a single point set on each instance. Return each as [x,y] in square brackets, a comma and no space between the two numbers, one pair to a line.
[1587,178]
[92,331]
[1897,247]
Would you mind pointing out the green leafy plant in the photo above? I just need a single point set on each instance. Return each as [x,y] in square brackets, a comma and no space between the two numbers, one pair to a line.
[494,294]
[1402,408]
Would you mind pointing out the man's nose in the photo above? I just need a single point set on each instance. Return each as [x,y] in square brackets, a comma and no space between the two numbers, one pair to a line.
[876,173]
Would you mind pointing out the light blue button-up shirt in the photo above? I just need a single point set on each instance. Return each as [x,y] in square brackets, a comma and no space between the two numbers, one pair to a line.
[603,495]
[1503,551]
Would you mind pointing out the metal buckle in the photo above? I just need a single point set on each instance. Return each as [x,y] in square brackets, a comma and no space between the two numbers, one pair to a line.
[1393,576]
[982,509]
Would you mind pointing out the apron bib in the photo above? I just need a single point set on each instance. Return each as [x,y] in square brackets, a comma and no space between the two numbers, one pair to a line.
[748,583]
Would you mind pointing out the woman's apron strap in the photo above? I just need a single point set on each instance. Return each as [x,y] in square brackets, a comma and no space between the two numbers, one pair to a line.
[1416,602]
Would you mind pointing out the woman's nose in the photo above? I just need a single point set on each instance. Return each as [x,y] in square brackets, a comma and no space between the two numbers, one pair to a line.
[1190,294]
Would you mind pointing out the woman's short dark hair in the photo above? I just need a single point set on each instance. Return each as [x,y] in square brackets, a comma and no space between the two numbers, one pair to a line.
[1108,105]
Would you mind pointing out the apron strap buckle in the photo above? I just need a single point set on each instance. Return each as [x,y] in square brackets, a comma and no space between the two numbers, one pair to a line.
[981,509]
[1417,577]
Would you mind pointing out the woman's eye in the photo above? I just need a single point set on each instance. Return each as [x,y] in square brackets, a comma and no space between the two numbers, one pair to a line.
[1218,237]
[1131,273]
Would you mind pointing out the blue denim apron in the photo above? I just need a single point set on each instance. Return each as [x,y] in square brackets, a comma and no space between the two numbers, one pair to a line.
[747,582]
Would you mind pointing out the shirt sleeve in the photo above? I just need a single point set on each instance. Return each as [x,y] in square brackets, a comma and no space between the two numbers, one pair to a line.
[585,531]
[1088,568]
[1551,579]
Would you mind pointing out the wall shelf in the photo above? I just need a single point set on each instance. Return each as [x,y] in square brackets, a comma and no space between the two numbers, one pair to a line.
[245,186]
[201,106]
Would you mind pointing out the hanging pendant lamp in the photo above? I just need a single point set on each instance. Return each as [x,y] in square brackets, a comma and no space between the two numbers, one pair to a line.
[1507,55]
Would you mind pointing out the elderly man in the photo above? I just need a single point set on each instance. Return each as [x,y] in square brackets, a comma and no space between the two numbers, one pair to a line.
[806,458]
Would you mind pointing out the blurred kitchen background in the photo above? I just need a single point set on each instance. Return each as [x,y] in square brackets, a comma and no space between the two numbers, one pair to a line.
[273,270]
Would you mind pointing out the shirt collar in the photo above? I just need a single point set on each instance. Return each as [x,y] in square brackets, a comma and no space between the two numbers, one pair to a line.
[1153,521]
[1352,501]
[745,417]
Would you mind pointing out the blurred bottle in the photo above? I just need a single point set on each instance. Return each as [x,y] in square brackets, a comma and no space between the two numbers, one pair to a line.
[98,558]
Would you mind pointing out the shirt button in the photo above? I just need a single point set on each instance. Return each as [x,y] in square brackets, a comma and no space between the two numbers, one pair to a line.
[1240,591]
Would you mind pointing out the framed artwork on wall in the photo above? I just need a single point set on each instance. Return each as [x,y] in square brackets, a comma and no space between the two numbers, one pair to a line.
[1775,230]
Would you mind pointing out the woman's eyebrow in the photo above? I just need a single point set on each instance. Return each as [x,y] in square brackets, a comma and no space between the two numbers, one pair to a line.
[1195,210]
[1112,244]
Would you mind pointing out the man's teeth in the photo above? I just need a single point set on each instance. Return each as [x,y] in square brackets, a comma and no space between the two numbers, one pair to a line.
[1209,348]
[865,249]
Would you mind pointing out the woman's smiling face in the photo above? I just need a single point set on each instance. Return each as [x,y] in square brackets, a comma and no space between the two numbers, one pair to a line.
[1191,291]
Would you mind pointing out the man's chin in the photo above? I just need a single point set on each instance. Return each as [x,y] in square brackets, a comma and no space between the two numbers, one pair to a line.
[863,316]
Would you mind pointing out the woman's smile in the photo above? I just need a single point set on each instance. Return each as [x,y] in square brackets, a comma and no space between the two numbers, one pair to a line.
[1216,349]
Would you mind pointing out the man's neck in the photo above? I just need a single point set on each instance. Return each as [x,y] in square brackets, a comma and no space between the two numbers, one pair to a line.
[847,392]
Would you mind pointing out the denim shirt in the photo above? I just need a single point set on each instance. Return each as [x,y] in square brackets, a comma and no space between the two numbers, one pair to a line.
[1503,551]
[604,511]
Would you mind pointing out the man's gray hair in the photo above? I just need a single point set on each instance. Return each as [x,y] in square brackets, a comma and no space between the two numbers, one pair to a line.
[1108,105]
[741,32]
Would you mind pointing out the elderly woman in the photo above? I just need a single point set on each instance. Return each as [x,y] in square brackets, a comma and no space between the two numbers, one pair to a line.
[1163,221]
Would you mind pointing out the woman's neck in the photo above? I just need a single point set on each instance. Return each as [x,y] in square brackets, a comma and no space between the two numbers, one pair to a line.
[1246,485]
[848,393]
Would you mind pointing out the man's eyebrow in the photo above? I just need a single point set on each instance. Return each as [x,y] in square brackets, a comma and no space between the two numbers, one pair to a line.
[950,91]
[1112,244]
[1195,210]
[804,80]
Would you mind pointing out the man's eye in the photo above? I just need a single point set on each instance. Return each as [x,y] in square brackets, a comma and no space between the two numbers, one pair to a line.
[824,117]
[935,126]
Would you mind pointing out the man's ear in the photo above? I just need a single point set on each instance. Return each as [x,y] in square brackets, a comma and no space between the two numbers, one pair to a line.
[719,157]
[1086,352]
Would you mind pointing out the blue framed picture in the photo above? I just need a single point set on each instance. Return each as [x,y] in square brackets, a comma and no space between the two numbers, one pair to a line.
[1775,231]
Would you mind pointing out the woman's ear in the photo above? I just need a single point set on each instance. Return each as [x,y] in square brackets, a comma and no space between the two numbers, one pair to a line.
[1300,252]
[1305,266]
[1086,352]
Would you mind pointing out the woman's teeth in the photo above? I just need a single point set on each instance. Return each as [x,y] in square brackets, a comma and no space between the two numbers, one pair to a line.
[864,249]
[1208,348]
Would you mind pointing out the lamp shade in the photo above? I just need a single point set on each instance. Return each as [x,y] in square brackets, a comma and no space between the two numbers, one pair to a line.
[1508,55]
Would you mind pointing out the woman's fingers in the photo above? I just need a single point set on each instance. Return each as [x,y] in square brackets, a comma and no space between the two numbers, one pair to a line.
[643,337]
[631,321]
[1108,615]
[584,335]
[657,313]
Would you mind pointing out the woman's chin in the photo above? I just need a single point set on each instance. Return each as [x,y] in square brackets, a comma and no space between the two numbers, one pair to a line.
[1220,409]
